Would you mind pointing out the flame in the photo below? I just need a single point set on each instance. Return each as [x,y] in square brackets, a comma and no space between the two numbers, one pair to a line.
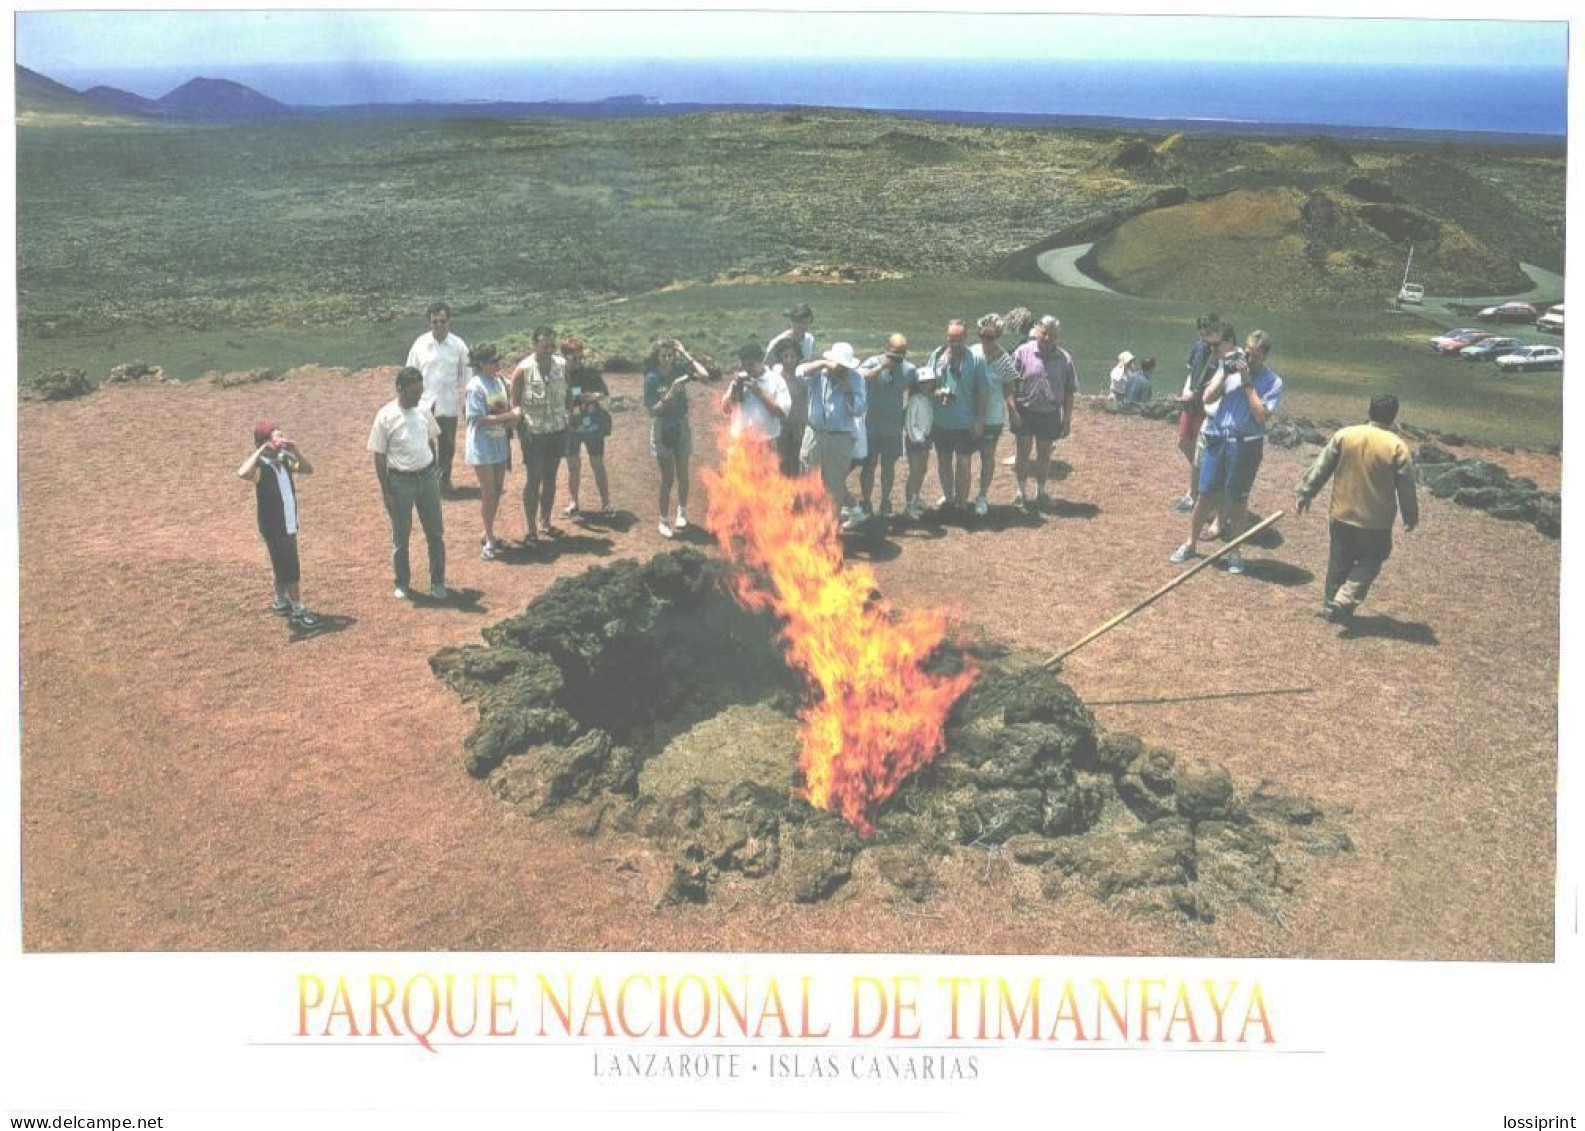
[877,716]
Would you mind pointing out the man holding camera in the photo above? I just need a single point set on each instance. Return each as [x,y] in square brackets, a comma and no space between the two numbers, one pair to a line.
[757,400]
[798,336]
[887,377]
[837,402]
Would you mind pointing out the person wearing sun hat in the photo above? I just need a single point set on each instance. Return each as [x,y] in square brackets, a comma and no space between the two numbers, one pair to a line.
[837,403]
[272,469]
[789,444]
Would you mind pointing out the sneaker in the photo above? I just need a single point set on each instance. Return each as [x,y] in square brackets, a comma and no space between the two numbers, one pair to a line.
[1338,614]
[552,531]
[438,592]
[852,522]
[1184,505]
[607,511]
[570,511]
[487,552]
[280,606]
[1042,500]
[885,510]
[399,593]
[665,531]
[981,507]
[914,510]
[1235,563]
[302,618]
[1019,500]
[942,503]
[682,519]
[1182,554]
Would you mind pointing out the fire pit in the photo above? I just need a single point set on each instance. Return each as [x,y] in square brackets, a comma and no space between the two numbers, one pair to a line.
[645,698]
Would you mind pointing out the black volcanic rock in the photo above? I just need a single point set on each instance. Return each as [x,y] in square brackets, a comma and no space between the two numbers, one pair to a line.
[220,99]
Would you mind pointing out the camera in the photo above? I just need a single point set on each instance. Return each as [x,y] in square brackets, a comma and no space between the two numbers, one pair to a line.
[740,385]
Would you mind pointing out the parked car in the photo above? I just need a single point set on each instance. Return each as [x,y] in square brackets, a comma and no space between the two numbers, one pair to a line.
[1412,293]
[1551,321]
[1490,349]
[1532,358]
[1508,312]
[1455,340]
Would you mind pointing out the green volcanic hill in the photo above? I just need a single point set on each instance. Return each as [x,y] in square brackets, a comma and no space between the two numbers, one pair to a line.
[42,101]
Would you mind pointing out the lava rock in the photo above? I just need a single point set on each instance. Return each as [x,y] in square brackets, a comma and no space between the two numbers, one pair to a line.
[817,856]
[549,776]
[1147,787]
[133,371]
[1114,753]
[59,385]
[1204,791]
[906,869]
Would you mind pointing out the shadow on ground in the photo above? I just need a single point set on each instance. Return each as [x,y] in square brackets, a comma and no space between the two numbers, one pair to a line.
[1390,628]
[328,623]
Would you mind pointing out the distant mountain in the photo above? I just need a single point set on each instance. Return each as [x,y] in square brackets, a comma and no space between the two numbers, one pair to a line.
[122,100]
[43,101]
[220,100]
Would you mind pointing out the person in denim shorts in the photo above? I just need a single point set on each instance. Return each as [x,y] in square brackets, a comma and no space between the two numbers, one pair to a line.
[1234,437]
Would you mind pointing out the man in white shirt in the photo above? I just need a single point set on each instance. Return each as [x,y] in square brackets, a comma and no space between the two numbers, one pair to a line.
[442,358]
[404,441]
[757,400]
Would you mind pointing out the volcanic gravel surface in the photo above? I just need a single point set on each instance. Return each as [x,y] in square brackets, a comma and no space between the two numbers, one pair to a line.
[196,776]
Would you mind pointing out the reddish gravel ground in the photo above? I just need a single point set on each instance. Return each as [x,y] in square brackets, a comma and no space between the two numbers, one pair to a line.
[194,778]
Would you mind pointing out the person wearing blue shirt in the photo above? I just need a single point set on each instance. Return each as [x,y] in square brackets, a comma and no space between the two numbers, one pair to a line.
[1250,392]
[961,391]
[837,402]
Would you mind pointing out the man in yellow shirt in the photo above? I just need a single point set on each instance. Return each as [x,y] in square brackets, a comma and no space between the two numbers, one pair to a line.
[1374,482]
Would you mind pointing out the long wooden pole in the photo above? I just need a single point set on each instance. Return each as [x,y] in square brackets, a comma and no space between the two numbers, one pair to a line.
[1056,659]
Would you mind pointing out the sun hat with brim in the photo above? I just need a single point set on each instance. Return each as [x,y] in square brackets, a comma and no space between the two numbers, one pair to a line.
[842,354]
[1125,359]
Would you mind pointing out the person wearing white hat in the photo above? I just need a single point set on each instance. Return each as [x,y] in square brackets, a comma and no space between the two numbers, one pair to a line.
[1122,372]
[837,403]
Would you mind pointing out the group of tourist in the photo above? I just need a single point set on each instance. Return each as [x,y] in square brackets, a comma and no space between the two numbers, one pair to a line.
[836,414]
[831,413]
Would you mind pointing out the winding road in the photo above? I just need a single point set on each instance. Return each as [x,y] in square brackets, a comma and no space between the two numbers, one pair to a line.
[1061,266]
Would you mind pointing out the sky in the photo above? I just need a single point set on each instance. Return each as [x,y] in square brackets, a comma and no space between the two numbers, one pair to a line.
[52,41]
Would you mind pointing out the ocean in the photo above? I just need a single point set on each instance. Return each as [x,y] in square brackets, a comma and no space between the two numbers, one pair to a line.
[1476,99]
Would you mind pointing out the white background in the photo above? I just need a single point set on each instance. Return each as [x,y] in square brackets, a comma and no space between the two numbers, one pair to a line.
[207,1040]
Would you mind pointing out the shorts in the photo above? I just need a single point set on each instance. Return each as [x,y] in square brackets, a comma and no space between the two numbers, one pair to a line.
[954,441]
[1228,466]
[283,557]
[593,441]
[1189,421]
[670,439]
[993,433]
[917,447]
[542,451]
[887,444]
[1040,425]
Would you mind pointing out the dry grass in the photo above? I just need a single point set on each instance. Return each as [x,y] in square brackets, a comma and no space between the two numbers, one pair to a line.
[193,779]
